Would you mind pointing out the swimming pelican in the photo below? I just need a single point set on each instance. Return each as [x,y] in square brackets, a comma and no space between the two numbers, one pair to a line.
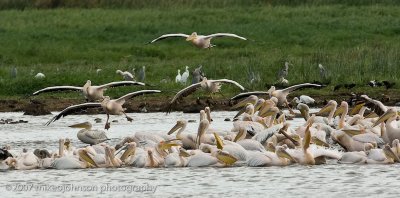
[178,77]
[278,158]
[392,131]
[200,41]
[26,161]
[280,94]
[91,93]
[71,162]
[128,76]
[188,140]
[185,76]
[211,86]
[111,107]
[89,136]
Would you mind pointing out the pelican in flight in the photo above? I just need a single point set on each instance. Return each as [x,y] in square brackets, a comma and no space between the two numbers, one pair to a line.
[200,41]
[88,135]
[91,93]
[211,86]
[111,107]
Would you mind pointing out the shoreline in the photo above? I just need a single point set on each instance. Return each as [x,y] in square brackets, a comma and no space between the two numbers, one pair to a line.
[156,104]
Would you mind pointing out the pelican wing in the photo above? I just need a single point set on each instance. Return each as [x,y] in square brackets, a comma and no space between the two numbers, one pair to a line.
[224,34]
[72,109]
[243,95]
[183,93]
[368,138]
[304,85]
[265,134]
[122,99]
[58,88]
[169,36]
[375,105]
[121,83]
[227,81]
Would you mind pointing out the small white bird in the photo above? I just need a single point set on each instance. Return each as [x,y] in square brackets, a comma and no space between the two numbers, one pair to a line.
[304,99]
[40,76]
[98,71]
[178,77]
[126,75]
[185,76]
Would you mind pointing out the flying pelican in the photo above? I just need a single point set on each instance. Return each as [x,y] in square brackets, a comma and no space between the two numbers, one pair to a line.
[178,77]
[128,76]
[89,136]
[211,86]
[199,41]
[185,76]
[91,93]
[111,107]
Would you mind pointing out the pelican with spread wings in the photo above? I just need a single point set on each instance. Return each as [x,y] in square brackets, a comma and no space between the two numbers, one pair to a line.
[111,107]
[91,93]
[200,41]
[211,86]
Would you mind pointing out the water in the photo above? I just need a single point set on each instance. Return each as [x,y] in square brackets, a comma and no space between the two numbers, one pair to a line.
[330,180]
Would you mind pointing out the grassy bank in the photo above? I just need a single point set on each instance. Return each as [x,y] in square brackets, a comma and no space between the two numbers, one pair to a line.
[355,44]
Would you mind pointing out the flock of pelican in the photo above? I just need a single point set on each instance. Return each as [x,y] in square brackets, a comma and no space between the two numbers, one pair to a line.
[261,135]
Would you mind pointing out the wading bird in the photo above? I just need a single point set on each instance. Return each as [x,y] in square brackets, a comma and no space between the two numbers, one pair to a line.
[200,41]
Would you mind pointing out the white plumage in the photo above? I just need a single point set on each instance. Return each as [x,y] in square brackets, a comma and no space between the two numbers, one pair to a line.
[40,76]
[126,75]
[178,77]
[304,99]
[185,75]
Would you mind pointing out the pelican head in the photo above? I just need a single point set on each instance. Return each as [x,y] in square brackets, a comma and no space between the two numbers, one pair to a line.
[270,90]
[341,109]
[282,153]
[41,153]
[304,110]
[179,124]
[388,114]
[183,153]
[84,125]
[192,37]
[259,103]
[130,150]
[84,156]
[390,154]
[208,114]
[165,145]
[328,107]
[105,100]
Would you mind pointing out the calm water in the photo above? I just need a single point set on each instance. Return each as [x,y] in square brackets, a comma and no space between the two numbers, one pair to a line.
[331,180]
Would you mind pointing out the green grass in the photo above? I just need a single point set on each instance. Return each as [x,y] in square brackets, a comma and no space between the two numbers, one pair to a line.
[355,43]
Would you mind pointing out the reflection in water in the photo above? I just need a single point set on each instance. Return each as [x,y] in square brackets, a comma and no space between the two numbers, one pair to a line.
[330,180]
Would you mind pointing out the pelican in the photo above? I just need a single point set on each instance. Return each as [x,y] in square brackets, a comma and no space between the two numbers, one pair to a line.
[91,93]
[178,77]
[185,76]
[278,158]
[279,94]
[111,107]
[71,162]
[89,136]
[26,161]
[304,99]
[200,41]
[126,75]
[188,140]
[211,86]
[392,132]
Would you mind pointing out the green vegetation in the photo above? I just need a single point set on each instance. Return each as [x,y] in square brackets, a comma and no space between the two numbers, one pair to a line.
[354,43]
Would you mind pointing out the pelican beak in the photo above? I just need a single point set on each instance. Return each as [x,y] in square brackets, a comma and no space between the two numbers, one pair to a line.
[240,112]
[328,107]
[338,111]
[226,158]
[80,125]
[389,113]
[271,147]
[239,135]
[183,153]
[307,138]
[270,112]
[372,115]
[303,113]
[319,142]
[131,149]
[357,108]
[220,144]
[390,154]
[284,154]
[352,132]
[83,154]
[166,145]
[176,127]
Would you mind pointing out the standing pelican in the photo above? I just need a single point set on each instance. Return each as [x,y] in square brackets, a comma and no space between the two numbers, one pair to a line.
[111,107]
[211,86]
[89,136]
[91,93]
[199,41]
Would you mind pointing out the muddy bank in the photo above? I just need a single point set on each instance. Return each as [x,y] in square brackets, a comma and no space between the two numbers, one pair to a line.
[159,104]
